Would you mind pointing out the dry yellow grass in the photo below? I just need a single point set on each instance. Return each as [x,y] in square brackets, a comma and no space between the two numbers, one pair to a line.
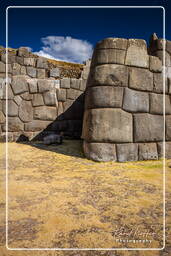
[57,198]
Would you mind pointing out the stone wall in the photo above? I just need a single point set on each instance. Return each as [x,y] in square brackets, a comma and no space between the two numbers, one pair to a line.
[39,99]
[123,118]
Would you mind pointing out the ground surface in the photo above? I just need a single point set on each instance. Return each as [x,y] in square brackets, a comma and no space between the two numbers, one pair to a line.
[57,198]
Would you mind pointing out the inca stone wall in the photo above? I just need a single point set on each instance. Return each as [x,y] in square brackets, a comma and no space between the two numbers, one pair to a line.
[123,118]
[40,100]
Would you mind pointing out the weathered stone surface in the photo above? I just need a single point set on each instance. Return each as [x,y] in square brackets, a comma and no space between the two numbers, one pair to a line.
[168,127]
[12,108]
[161,57]
[43,85]
[148,151]
[37,100]
[23,51]
[55,72]
[135,101]
[60,109]
[112,43]
[32,85]
[67,104]
[141,79]
[73,94]
[127,152]
[75,83]
[167,149]
[3,95]
[42,63]
[155,64]
[103,97]
[11,58]
[50,98]
[19,84]
[26,96]
[20,60]
[168,46]
[17,99]
[25,111]
[29,61]
[31,71]
[23,70]
[158,83]
[14,125]
[156,104]
[41,73]
[107,125]
[100,152]
[65,83]
[2,67]
[148,127]
[45,113]
[83,84]
[114,75]
[108,56]
[137,53]
[61,94]
[85,72]
[16,69]
[36,125]
[2,117]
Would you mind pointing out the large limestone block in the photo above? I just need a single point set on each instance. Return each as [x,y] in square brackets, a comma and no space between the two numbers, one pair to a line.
[107,125]
[41,63]
[104,97]
[25,111]
[112,43]
[141,79]
[100,152]
[37,100]
[75,83]
[73,94]
[14,125]
[32,85]
[29,61]
[167,146]
[23,52]
[19,84]
[161,57]
[45,85]
[83,84]
[45,113]
[156,104]
[168,127]
[148,127]
[16,69]
[31,71]
[12,108]
[55,72]
[108,56]
[36,125]
[135,101]
[137,53]
[109,74]
[159,83]
[65,83]
[148,151]
[2,67]
[50,98]
[127,152]
[155,64]
[41,74]
[168,46]
[61,94]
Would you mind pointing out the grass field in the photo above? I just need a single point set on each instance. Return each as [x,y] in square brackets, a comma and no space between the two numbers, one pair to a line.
[59,199]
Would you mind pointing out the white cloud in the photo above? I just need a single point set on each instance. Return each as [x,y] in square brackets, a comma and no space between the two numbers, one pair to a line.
[65,48]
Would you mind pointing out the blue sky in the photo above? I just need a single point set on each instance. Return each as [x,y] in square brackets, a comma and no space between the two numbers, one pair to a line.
[71,34]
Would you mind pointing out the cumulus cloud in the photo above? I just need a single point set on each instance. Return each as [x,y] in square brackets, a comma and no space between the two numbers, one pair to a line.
[65,48]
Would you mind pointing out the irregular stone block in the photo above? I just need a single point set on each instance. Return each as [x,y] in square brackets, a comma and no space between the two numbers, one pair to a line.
[75,83]
[12,108]
[114,75]
[32,85]
[100,152]
[155,64]
[156,104]
[2,67]
[23,51]
[107,125]
[16,69]
[85,72]
[14,125]
[137,53]
[41,73]
[2,117]
[148,127]
[31,71]
[135,101]
[17,99]
[112,43]
[20,60]
[83,84]
[168,127]
[141,79]
[167,149]
[108,56]
[36,125]
[37,100]
[127,152]
[55,72]
[19,84]
[148,151]
[42,63]
[61,94]
[73,94]
[50,98]
[158,83]
[45,113]
[10,59]
[29,62]
[3,94]
[25,111]
[161,57]
[65,83]
[168,46]
[43,85]
[103,97]
[23,70]
[26,96]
